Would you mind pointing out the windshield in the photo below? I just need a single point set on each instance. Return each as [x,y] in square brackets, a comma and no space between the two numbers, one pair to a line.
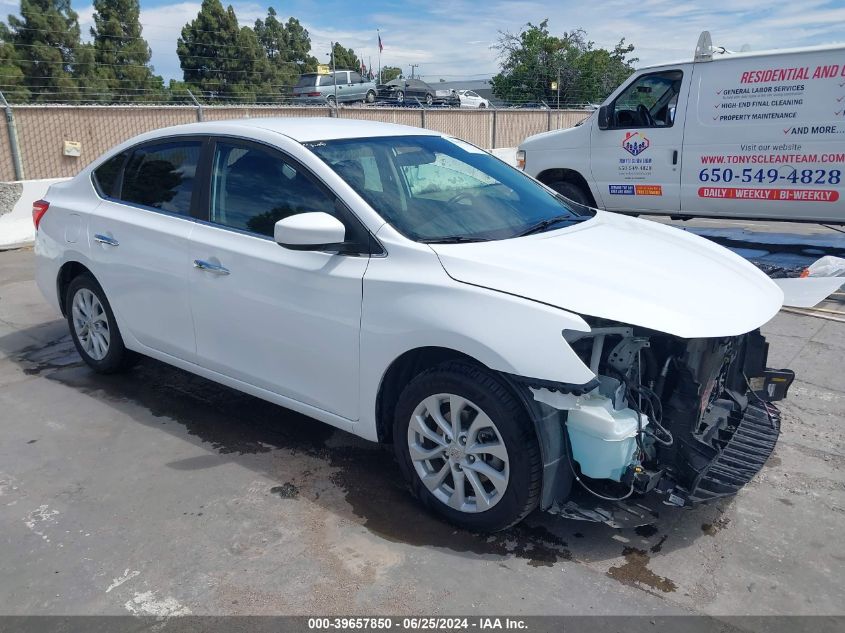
[433,189]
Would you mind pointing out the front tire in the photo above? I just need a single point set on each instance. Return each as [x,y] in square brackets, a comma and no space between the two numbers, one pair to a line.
[573,192]
[429,99]
[480,470]
[93,327]
[400,96]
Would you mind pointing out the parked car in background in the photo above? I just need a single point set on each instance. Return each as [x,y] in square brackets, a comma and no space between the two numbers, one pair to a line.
[471,99]
[402,91]
[411,288]
[344,85]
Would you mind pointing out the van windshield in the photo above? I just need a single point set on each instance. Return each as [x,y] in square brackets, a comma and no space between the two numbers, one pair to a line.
[436,189]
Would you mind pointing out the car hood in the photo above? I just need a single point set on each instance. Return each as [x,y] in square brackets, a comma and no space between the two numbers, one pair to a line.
[632,271]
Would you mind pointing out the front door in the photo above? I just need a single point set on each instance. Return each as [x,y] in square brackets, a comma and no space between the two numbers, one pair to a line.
[283,320]
[636,161]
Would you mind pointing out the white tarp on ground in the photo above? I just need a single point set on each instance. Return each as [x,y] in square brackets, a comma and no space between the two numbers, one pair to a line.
[16,228]
[807,292]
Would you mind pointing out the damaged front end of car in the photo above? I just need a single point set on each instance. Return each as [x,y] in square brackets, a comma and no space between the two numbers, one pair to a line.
[666,421]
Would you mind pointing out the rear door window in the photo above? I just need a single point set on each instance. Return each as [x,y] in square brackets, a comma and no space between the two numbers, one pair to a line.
[354,78]
[162,175]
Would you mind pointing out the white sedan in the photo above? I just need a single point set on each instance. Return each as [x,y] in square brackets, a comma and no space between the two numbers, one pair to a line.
[412,289]
[471,99]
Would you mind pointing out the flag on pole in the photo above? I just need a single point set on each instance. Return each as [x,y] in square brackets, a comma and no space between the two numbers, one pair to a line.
[380,45]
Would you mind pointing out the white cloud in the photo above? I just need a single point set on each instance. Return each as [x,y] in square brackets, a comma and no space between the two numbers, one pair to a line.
[453,38]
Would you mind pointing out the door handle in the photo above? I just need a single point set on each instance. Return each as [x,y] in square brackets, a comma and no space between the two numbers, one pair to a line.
[105,239]
[209,267]
[674,157]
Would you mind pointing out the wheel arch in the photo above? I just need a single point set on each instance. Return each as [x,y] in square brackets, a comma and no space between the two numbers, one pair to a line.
[400,372]
[564,174]
[67,273]
[546,422]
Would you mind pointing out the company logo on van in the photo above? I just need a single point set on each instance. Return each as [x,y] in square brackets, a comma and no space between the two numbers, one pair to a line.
[635,143]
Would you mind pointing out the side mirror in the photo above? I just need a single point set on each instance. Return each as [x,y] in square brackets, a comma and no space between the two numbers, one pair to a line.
[316,231]
[604,116]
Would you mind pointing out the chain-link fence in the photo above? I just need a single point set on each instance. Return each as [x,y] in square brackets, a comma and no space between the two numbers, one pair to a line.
[36,134]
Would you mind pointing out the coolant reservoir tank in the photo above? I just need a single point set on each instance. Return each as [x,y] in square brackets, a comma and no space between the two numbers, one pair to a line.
[604,440]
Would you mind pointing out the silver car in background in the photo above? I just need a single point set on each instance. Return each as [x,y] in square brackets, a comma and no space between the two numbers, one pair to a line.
[341,86]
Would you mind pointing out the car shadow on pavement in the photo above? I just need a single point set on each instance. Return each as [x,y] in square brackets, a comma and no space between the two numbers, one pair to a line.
[231,425]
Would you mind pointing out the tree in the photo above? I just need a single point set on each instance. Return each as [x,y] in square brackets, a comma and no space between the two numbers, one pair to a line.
[601,71]
[46,42]
[345,58]
[13,80]
[389,73]
[534,58]
[121,54]
[287,47]
[222,60]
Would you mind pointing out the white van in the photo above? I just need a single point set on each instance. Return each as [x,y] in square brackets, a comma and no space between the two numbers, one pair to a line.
[745,135]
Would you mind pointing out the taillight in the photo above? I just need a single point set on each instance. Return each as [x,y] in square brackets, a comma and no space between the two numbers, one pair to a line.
[312,94]
[39,208]
[520,159]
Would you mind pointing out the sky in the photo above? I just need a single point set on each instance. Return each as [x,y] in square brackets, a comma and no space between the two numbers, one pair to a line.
[453,39]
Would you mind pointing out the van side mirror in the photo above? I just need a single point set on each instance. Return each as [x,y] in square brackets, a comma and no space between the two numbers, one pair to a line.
[315,231]
[604,122]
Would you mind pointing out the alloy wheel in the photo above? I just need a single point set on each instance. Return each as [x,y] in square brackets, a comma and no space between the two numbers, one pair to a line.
[91,324]
[458,453]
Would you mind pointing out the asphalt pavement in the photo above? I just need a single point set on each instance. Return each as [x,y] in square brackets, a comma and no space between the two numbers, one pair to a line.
[158,492]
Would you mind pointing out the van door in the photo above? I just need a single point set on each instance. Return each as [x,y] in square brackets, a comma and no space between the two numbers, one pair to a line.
[635,162]
[356,87]
[765,138]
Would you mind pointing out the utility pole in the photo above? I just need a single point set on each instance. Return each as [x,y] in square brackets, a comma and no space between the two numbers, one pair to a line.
[334,76]
[412,69]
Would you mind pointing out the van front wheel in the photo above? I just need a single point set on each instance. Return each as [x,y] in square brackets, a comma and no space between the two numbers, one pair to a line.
[574,192]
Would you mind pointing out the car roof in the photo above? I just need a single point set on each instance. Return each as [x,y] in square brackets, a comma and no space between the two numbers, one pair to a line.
[301,129]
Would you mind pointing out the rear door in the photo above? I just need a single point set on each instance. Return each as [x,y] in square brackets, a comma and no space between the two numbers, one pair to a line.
[139,243]
[283,320]
[636,161]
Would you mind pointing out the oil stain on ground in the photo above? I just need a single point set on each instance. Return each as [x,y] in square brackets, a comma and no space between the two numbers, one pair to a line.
[711,529]
[233,423]
[634,571]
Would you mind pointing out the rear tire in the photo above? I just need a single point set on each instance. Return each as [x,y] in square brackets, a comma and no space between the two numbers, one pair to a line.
[429,99]
[93,327]
[574,192]
[506,448]
[371,97]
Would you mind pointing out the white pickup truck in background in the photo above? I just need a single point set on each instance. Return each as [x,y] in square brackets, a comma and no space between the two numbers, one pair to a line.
[736,135]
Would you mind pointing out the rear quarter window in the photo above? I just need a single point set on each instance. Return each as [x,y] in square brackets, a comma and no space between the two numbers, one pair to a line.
[106,175]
